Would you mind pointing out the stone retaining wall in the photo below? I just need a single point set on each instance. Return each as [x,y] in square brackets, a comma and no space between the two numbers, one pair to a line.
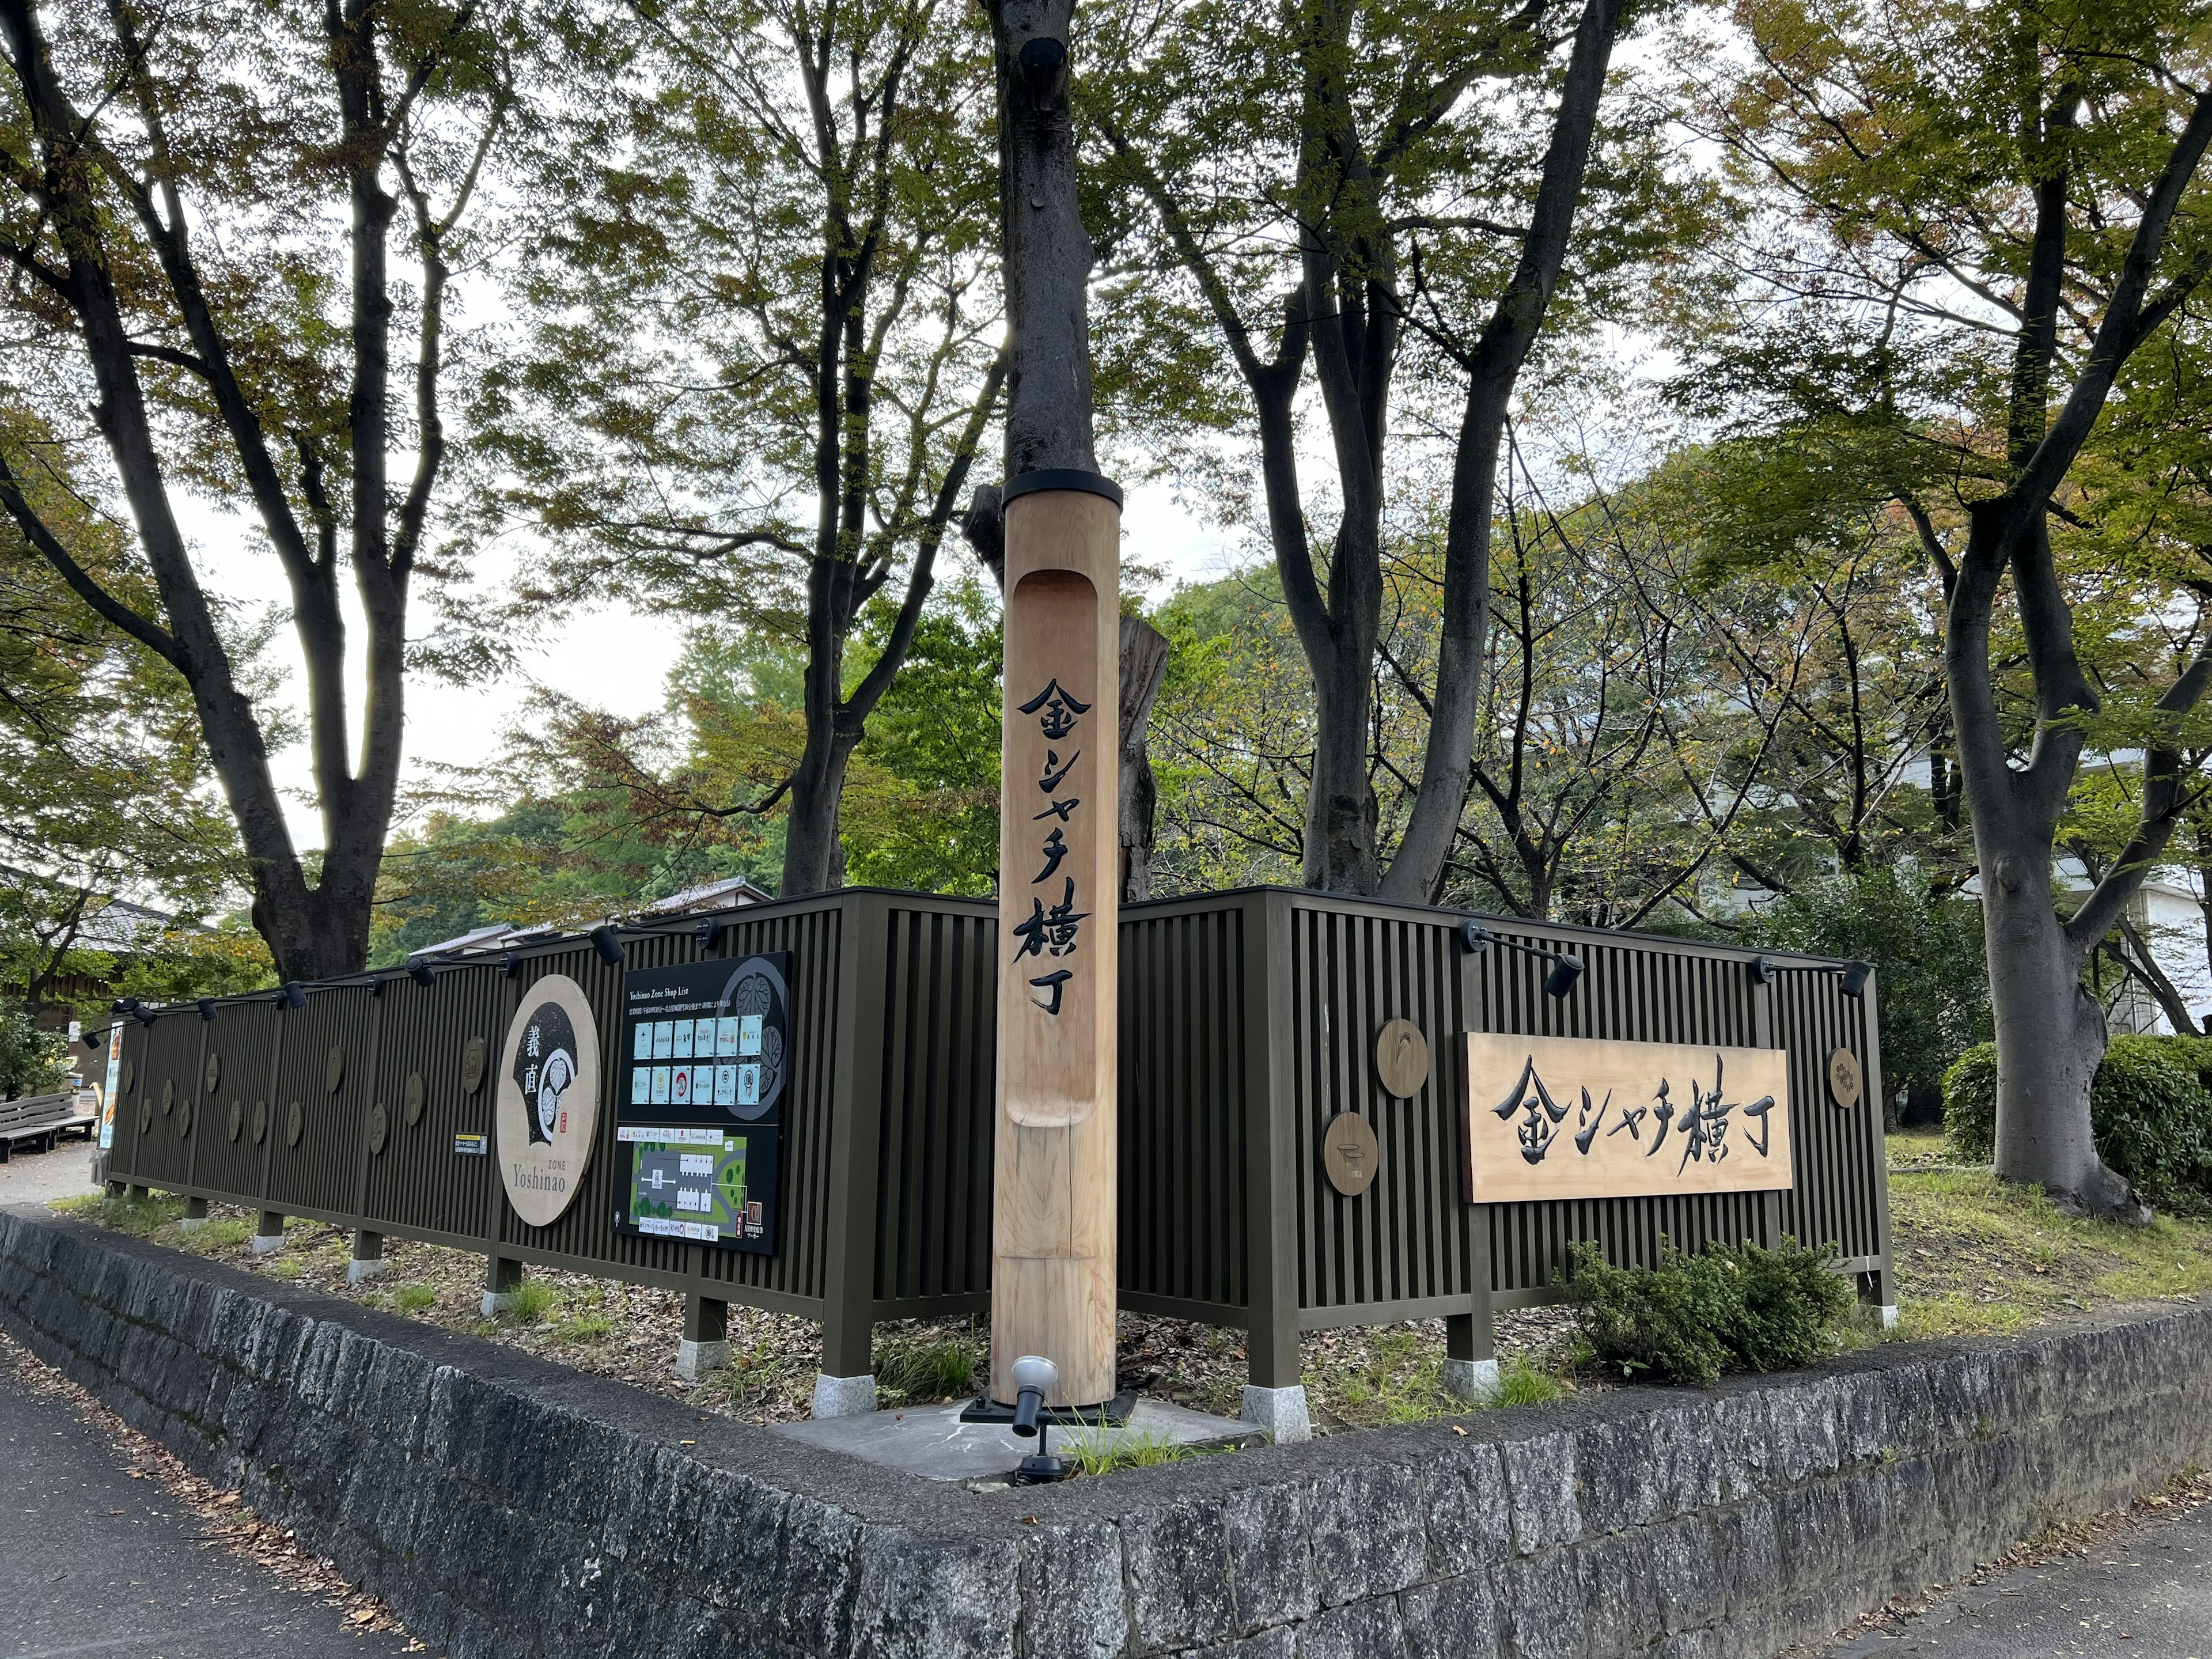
[504,1505]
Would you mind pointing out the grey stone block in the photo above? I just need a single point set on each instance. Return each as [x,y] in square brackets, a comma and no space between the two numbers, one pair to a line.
[1747,1554]
[1464,1495]
[921,1598]
[1072,1594]
[1540,1480]
[1357,1630]
[1369,1535]
[1456,1620]
[1271,1556]
[1619,1594]
[1682,1564]
[1177,1560]
[1540,1606]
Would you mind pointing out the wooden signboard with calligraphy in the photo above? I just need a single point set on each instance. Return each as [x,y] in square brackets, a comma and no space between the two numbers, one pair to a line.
[1575,1117]
[1052,1238]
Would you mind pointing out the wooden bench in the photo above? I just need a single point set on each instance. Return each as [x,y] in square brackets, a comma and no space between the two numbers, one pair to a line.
[41,1120]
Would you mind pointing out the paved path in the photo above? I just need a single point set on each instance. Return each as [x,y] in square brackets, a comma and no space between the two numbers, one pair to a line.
[2144,1592]
[99,1564]
[32,1177]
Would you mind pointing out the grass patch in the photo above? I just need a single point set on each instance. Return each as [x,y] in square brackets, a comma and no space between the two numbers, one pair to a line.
[1100,1452]
[534,1300]
[1523,1384]
[223,1233]
[284,1267]
[1402,1381]
[413,1298]
[1976,1256]
[911,1373]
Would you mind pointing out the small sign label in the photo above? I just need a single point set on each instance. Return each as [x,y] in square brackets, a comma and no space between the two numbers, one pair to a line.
[471,1145]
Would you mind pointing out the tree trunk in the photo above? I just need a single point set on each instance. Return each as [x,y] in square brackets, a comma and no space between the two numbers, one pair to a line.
[813,861]
[2051,1036]
[1143,666]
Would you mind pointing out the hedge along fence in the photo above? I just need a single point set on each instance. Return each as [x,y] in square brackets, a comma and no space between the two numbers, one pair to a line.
[1249,1022]
[2151,1109]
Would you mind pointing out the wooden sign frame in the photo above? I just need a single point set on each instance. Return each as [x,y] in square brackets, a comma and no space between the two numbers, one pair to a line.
[1580,1117]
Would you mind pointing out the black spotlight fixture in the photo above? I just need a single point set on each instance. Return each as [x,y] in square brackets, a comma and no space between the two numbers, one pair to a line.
[376,985]
[1042,58]
[1566,967]
[142,1013]
[1853,975]
[421,972]
[124,1006]
[292,994]
[509,960]
[206,1005]
[608,943]
[95,1040]
[707,933]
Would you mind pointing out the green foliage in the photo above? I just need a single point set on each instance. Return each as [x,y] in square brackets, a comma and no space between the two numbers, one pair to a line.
[32,1061]
[1694,1317]
[921,797]
[1933,967]
[2151,1109]
[942,1370]
[414,1299]
[1522,1382]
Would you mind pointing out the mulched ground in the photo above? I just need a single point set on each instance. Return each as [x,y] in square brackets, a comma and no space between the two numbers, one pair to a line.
[1356,1378]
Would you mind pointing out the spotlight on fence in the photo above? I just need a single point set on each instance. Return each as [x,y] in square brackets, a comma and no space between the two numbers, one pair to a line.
[206,1005]
[421,972]
[95,1040]
[608,943]
[142,1014]
[124,1006]
[1566,968]
[1853,975]
[376,985]
[707,933]
[294,994]
[509,960]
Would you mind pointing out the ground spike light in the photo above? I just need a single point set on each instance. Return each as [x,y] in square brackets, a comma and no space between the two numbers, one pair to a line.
[1854,975]
[1566,967]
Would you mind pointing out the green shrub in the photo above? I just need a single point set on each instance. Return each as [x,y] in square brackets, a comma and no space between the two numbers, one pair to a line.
[1694,1317]
[2151,1109]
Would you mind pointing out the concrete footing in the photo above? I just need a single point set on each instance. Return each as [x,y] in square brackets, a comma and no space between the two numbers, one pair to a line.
[195,1217]
[1886,1312]
[695,1359]
[1474,1380]
[844,1396]
[502,1286]
[1280,1413]
[268,1236]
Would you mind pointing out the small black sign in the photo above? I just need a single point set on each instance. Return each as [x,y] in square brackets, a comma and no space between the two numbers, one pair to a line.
[472,1145]
[705,1069]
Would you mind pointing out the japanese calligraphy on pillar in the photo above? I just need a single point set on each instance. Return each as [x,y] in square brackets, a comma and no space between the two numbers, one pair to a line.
[1570,1117]
[1053,1239]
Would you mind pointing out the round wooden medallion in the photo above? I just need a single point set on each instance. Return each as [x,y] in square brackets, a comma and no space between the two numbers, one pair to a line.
[168,1094]
[334,1070]
[184,1119]
[1402,1059]
[1349,1154]
[130,1075]
[379,1126]
[413,1097]
[145,1116]
[237,1118]
[214,1073]
[1845,1080]
[295,1121]
[472,1066]
[260,1121]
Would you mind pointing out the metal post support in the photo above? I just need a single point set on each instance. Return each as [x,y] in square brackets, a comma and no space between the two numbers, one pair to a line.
[502,1284]
[367,1256]
[268,1236]
[705,1340]
[196,1216]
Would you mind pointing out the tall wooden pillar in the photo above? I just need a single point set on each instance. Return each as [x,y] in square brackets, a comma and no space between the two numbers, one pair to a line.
[1053,1279]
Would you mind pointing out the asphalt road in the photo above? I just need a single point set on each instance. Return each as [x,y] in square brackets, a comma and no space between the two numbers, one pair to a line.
[93,1562]
[2144,1592]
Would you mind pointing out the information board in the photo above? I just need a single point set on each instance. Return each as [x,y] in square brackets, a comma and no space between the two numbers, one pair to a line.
[700,1091]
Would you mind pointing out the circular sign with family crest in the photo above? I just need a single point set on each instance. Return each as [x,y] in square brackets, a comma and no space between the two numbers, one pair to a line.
[547,1113]
[758,1000]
